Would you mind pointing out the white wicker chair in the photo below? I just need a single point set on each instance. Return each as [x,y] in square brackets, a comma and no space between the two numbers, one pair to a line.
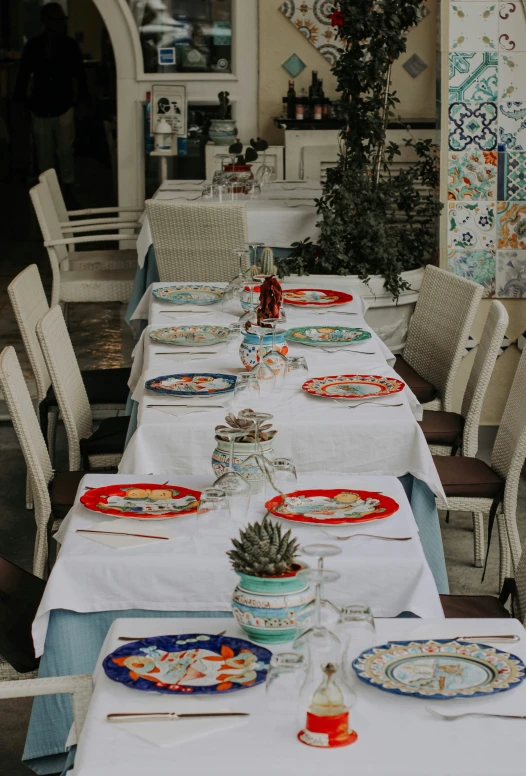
[196,241]
[72,397]
[507,460]
[438,332]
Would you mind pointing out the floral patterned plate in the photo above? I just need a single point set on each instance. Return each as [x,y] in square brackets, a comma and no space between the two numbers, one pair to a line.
[142,501]
[353,386]
[315,297]
[328,336]
[190,384]
[189,294]
[190,664]
[439,669]
[193,336]
[336,506]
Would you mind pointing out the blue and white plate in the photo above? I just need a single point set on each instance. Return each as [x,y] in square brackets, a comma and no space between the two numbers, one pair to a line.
[192,384]
[439,669]
[189,293]
[194,336]
[189,664]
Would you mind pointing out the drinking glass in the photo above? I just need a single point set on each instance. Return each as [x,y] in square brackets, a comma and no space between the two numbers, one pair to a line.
[264,373]
[273,358]
[285,678]
[254,250]
[283,477]
[246,391]
[357,632]
[223,191]
[258,458]
[250,315]
[236,487]
[238,283]
[213,513]
[266,174]
[208,191]
[297,372]
[233,338]
[329,613]
[253,189]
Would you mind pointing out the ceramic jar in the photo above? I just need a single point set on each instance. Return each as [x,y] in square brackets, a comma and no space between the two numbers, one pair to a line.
[223,132]
[267,608]
[242,450]
[249,348]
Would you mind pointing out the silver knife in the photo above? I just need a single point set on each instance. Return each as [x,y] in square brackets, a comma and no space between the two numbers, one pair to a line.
[193,406]
[510,638]
[154,716]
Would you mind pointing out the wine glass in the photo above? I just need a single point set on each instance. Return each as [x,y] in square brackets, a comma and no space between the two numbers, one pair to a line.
[266,174]
[264,373]
[356,630]
[282,478]
[233,337]
[275,360]
[297,372]
[246,391]
[250,315]
[328,612]
[254,249]
[285,677]
[253,189]
[258,458]
[213,513]
[238,283]
[236,487]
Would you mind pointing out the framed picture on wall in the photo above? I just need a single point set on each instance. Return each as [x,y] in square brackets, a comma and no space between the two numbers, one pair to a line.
[169,103]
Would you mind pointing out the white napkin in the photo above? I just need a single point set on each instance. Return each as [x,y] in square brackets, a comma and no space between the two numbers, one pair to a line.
[148,526]
[177,731]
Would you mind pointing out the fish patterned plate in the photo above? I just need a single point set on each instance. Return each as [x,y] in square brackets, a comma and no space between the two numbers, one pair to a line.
[190,384]
[353,386]
[439,669]
[190,664]
[336,506]
[142,501]
[193,336]
[326,336]
[315,297]
[189,294]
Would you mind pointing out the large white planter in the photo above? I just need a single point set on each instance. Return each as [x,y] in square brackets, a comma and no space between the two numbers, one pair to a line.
[389,319]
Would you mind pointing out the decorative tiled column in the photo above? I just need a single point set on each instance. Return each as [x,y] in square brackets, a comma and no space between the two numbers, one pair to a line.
[484,104]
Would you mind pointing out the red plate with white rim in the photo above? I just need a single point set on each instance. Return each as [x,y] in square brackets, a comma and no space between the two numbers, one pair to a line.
[142,500]
[335,506]
[315,297]
[353,386]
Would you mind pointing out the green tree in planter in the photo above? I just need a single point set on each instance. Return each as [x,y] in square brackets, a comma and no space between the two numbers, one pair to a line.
[373,220]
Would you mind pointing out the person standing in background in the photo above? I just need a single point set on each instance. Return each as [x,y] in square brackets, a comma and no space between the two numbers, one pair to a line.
[51,64]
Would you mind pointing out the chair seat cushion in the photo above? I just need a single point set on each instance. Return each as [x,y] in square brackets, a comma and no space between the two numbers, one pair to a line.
[459,606]
[468,477]
[62,490]
[422,388]
[20,596]
[442,428]
[108,439]
[103,386]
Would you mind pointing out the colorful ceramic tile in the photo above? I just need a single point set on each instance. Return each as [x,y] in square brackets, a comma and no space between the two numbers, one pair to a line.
[512,176]
[313,20]
[478,266]
[294,66]
[511,274]
[471,225]
[472,175]
[511,225]
[512,126]
[473,125]
[512,76]
[473,75]
[473,26]
[512,27]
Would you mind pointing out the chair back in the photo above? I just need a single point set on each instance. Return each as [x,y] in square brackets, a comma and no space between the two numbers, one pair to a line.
[51,230]
[49,178]
[29,303]
[20,596]
[67,382]
[483,365]
[197,241]
[519,598]
[440,327]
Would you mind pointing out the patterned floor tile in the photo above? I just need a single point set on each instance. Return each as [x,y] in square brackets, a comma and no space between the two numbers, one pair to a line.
[472,125]
[511,226]
[473,26]
[512,126]
[472,175]
[512,76]
[471,225]
[512,176]
[512,27]
[478,266]
[511,274]
[473,75]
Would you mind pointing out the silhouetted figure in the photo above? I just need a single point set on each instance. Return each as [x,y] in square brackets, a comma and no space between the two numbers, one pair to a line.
[50,65]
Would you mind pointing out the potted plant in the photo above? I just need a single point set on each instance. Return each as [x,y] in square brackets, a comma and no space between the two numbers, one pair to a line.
[244,448]
[269,596]
[378,226]
[223,129]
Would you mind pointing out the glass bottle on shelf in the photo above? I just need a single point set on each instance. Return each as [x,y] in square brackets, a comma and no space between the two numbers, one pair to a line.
[291,101]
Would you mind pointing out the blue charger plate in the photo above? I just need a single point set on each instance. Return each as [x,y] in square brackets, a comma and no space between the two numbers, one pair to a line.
[192,384]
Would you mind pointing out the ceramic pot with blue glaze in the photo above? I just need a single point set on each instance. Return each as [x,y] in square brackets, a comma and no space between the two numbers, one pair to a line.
[267,608]
[249,348]
[223,131]
[242,451]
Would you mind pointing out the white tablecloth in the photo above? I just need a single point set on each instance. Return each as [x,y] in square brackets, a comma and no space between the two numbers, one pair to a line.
[194,574]
[396,735]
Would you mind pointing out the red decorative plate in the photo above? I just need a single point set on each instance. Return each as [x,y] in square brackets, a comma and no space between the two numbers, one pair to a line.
[142,500]
[353,386]
[315,297]
[335,506]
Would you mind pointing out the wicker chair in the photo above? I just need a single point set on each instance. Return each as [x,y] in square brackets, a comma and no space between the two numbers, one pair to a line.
[447,432]
[471,485]
[196,240]
[102,449]
[437,335]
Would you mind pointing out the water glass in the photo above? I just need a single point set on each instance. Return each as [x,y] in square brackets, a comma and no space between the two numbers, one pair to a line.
[253,189]
[297,372]
[357,632]
[233,338]
[213,513]
[285,678]
[284,478]
[208,191]
[246,391]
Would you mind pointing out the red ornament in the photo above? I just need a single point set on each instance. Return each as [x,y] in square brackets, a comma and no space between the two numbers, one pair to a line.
[337,19]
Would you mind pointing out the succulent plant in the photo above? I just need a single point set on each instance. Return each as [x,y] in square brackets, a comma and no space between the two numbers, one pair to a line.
[263,551]
[267,262]
[266,432]
[249,156]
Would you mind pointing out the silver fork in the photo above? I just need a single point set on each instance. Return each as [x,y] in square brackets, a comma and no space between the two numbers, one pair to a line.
[332,312]
[452,717]
[348,350]
[359,404]
[368,536]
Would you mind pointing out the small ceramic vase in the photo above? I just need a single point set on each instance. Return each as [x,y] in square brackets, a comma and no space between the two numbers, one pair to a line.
[242,450]
[223,131]
[249,348]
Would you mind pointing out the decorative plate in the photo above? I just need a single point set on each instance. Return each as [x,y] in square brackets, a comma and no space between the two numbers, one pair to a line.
[439,669]
[189,294]
[190,664]
[335,506]
[142,500]
[328,336]
[193,336]
[315,297]
[353,386]
[191,384]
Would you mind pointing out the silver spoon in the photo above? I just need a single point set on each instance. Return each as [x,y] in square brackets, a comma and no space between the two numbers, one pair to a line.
[452,717]
[368,536]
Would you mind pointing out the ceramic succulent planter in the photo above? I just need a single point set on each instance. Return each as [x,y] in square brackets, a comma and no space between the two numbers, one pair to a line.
[267,608]
[223,132]
[249,348]
[242,450]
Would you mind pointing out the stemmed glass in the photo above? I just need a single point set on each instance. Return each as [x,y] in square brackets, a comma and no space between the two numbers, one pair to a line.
[297,372]
[250,315]
[328,612]
[259,418]
[264,373]
[285,678]
[266,174]
[213,513]
[246,392]
[238,283]
[233,337]
[235,486]
[275,359]
[254,248]
[282,478]
[357,632]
